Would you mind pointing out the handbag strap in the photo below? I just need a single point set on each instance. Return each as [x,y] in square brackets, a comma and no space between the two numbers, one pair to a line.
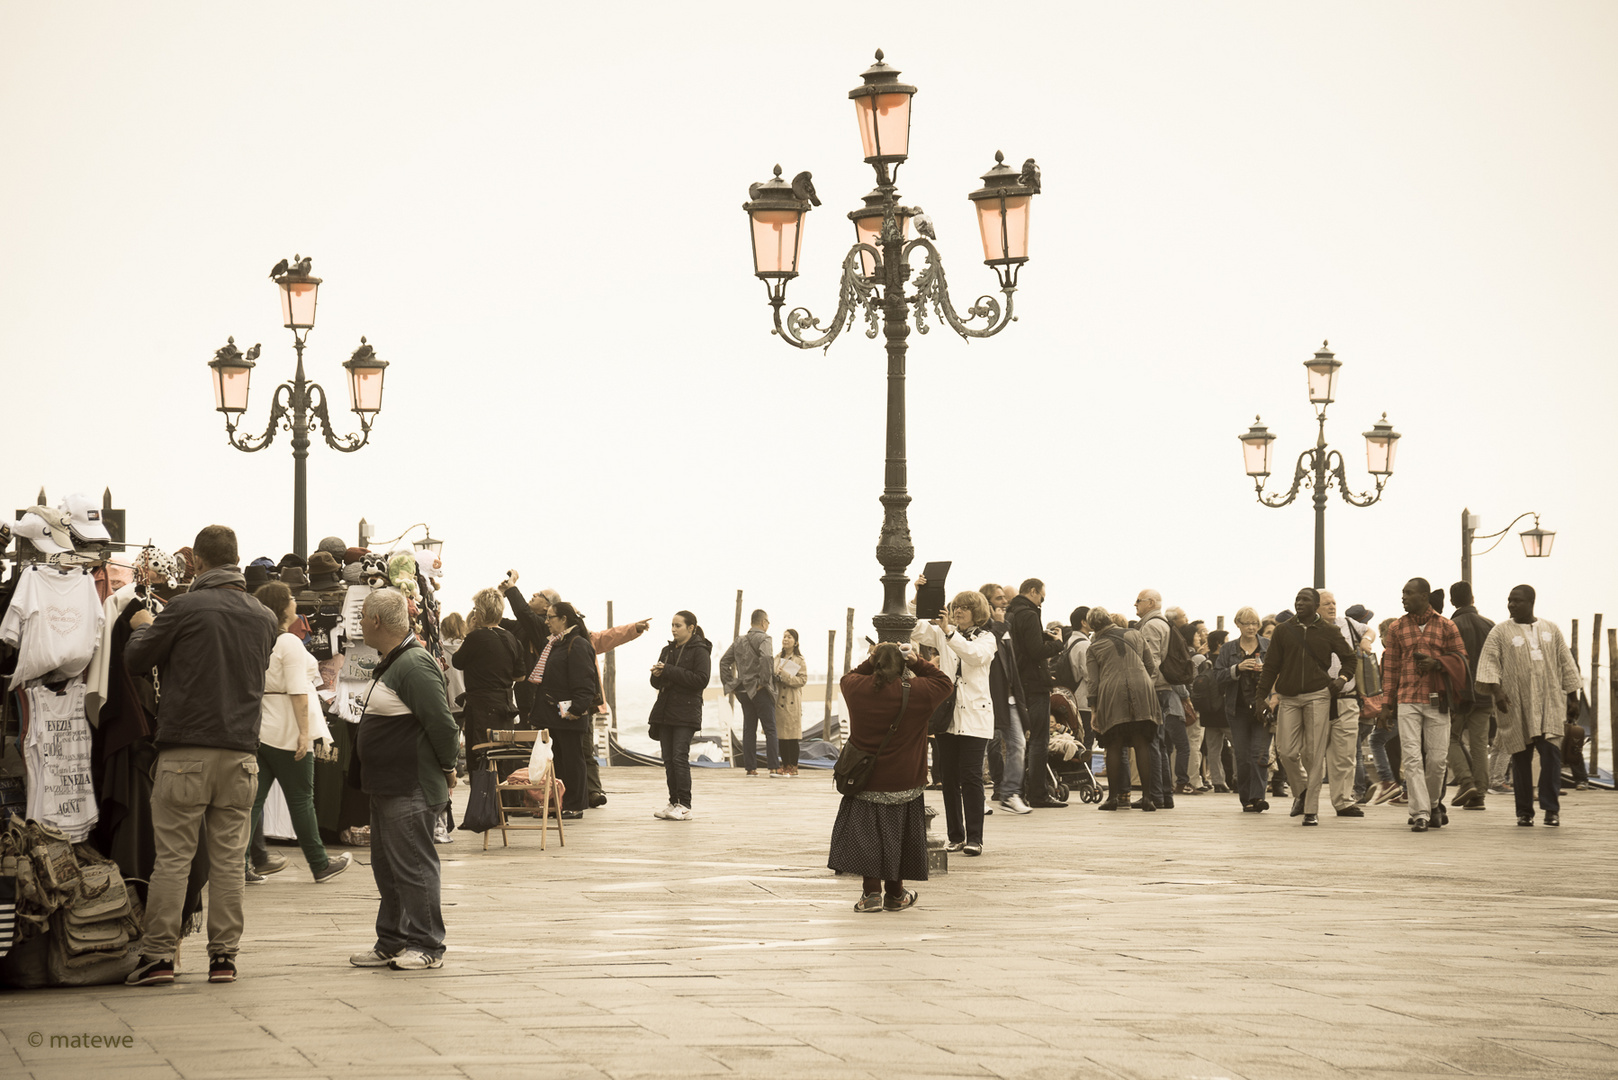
[904,703]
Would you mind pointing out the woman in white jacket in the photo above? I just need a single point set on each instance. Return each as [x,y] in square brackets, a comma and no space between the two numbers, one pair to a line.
[965,651]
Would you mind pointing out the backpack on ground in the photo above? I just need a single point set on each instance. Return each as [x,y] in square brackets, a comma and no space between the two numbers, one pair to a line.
[1176,664]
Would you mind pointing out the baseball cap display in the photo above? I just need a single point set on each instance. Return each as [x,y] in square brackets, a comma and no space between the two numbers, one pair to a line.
[42,528]
[85,518]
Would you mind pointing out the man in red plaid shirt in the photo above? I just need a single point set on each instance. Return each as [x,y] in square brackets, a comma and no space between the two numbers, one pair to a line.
[1414,687]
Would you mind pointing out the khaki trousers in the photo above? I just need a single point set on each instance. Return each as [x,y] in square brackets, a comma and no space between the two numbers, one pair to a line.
[1302,725]
[1341,744]
[1469,747]
[197,787]
[1424,748]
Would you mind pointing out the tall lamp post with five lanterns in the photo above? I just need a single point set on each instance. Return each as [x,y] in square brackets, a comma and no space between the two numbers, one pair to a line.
[1323,464]
[874,275]
[296,404]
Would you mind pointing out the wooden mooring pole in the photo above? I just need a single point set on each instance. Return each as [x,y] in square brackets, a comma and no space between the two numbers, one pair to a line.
[848,643]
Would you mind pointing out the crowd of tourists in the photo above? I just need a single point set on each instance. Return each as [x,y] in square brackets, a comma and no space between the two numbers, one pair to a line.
[985,694]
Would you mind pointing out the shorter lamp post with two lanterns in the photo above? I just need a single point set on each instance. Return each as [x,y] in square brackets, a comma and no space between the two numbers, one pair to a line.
[1325,465]
[297,403]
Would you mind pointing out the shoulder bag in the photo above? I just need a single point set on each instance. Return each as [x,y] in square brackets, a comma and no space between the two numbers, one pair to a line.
[853,769]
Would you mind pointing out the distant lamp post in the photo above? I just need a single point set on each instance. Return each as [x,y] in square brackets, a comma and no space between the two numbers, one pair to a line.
[428,546]
[874,274]
[1325,465]
[296,403]
[1536,542]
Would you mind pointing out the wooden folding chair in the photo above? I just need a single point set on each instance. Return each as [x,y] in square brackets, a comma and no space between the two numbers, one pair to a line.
[517,746]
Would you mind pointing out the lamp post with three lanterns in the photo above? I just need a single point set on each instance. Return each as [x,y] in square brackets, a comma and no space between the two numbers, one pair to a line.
[874,274]
[1324,464]
[296,404]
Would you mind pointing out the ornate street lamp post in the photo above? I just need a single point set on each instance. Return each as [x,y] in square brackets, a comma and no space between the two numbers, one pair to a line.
[295,403]
[1325,465]
[874,275]
[1536,542]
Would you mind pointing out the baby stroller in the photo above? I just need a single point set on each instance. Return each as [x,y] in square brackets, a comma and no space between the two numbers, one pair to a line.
[1067,766]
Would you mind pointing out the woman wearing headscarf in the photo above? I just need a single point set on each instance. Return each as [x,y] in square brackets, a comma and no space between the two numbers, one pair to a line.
[1125,710]
[568,681]
[679,676]
[965,652]
[789,702]
[881,831]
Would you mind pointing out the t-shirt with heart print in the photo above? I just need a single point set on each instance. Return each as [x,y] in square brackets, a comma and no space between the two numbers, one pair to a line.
[54,622]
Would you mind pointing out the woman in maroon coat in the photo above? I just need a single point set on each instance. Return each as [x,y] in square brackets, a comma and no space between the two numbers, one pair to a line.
[881,832]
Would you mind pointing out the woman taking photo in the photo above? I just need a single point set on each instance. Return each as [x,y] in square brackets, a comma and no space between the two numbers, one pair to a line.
[789,701]
[1237,668]
[964,654]
[289,722]
[679,676]
[881,831]
[1125,711]
[567,667]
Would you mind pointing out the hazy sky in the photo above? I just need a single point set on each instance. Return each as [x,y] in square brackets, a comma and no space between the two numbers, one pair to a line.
[534,212]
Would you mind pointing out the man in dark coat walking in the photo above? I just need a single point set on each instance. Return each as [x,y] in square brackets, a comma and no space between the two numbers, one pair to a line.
[1034,647]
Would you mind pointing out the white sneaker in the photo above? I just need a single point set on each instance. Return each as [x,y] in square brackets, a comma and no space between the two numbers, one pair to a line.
[413,960]
[679,813]
[665,813]
[1014,804]
[371,958]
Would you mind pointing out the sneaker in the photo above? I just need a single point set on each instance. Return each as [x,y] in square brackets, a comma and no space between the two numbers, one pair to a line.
[680,813]
[1464,797]
[151,972]
[905,899]
[1400,798]
[1311,819]
[221,969]
[254,877]
[954,845]
[1014,804]
[441,833]
[274,864]
[663,814]
[333,867]
[415,960]
[868,903]
[1581,786]
[371,958]
[777,774]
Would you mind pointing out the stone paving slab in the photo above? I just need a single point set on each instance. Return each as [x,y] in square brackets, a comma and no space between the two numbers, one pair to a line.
[1196,943]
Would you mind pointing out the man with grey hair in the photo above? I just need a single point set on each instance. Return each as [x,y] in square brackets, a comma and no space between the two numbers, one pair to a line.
[1157,790]
[748,670]
[1343,731]
[406,748]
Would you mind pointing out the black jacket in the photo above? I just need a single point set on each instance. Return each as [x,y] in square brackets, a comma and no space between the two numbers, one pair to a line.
[1032,645]
[491,658]
[1231,653]
[1298,656]
[570,676]
[686,669]
[1474,630]
[211,647]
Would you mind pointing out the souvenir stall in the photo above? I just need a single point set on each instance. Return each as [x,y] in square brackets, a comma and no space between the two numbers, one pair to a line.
[75,740]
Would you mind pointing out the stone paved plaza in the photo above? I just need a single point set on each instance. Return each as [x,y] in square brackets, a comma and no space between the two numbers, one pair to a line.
[1199,942]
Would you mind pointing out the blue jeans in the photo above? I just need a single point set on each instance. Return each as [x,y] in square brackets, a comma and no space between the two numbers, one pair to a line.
[758,709]
[1161,789]
[1174,725]
[676,743]
[1013,745]
[405,865]
[1379,755]
[1250,746]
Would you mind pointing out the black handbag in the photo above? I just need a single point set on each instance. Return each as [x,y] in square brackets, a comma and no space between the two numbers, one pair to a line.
[944,715]
[483,804]
[853,769]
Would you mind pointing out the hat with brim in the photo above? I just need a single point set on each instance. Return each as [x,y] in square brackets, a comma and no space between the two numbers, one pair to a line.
[294,577]
[323,562]
[84,518]
[257,576]
[42,528]
[354,555]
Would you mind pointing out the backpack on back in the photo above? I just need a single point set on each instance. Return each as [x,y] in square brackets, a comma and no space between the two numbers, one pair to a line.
[1176,664]
[1207,695]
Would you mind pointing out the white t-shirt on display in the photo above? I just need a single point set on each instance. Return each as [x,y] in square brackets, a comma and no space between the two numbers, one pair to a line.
[54,622]
[56,752]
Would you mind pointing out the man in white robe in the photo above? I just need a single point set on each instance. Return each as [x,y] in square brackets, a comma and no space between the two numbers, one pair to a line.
[1528,669]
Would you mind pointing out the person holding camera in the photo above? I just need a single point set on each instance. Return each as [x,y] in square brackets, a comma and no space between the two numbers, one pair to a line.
[965,651]
[881,830]
[1236,668]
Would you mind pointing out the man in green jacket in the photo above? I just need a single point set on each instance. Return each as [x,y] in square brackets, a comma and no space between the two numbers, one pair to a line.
[406,749]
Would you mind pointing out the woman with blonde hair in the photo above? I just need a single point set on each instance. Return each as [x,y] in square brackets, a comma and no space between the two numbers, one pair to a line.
[1125,712]
[1236,669]
[492,661]
[965,652]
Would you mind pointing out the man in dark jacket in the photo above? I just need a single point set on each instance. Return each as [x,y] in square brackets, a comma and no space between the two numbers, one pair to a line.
[1296,682]
[211,647]
[748,670]
[1034,646]
[1470,723]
